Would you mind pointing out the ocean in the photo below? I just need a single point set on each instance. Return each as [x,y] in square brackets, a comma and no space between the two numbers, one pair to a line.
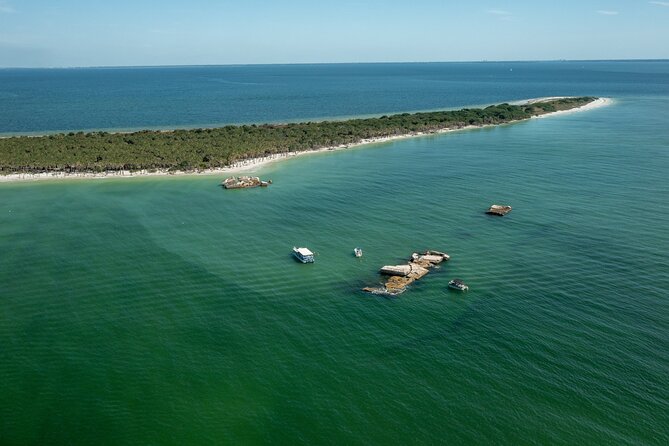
[165,310]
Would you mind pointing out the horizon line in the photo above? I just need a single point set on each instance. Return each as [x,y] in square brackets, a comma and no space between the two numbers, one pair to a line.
[66,67]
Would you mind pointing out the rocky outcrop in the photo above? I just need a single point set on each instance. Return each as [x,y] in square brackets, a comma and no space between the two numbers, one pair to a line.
[244,182]
[403,275]
[498,209]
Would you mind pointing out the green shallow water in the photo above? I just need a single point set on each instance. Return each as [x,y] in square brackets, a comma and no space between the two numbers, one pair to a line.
[169,311]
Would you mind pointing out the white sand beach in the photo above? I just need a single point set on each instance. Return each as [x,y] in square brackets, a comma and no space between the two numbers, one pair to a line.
[252,164]
[599,102]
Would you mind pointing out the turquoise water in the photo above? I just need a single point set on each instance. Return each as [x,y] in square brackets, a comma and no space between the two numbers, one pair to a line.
[169,311]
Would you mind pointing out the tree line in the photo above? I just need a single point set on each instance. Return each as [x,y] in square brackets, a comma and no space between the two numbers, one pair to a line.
[220,147]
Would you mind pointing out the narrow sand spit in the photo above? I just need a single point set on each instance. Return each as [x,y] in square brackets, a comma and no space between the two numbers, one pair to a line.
[252,164]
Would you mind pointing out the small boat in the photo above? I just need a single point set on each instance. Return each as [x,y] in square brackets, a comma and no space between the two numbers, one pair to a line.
[303,255]
[458,284]
[357,252]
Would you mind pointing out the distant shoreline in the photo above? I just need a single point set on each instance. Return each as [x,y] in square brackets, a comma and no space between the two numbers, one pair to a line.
[251,164]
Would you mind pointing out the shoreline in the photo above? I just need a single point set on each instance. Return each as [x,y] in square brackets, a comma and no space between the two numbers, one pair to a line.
[249,165]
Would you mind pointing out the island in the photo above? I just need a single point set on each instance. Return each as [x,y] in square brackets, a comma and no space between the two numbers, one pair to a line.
[216,149]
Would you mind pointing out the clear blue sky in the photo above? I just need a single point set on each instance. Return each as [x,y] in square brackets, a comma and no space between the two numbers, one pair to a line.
[52,33]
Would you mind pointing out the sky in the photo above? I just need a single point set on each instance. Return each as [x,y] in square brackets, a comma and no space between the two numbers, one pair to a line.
[75,33]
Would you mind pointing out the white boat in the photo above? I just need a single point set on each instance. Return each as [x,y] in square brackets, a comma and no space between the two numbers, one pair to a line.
[357,252]
[458,284]
[303,255]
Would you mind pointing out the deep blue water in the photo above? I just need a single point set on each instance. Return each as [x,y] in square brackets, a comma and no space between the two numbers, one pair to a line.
[52,100]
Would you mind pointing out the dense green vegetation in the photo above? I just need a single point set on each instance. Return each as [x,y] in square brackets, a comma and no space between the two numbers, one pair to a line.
[219,147]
